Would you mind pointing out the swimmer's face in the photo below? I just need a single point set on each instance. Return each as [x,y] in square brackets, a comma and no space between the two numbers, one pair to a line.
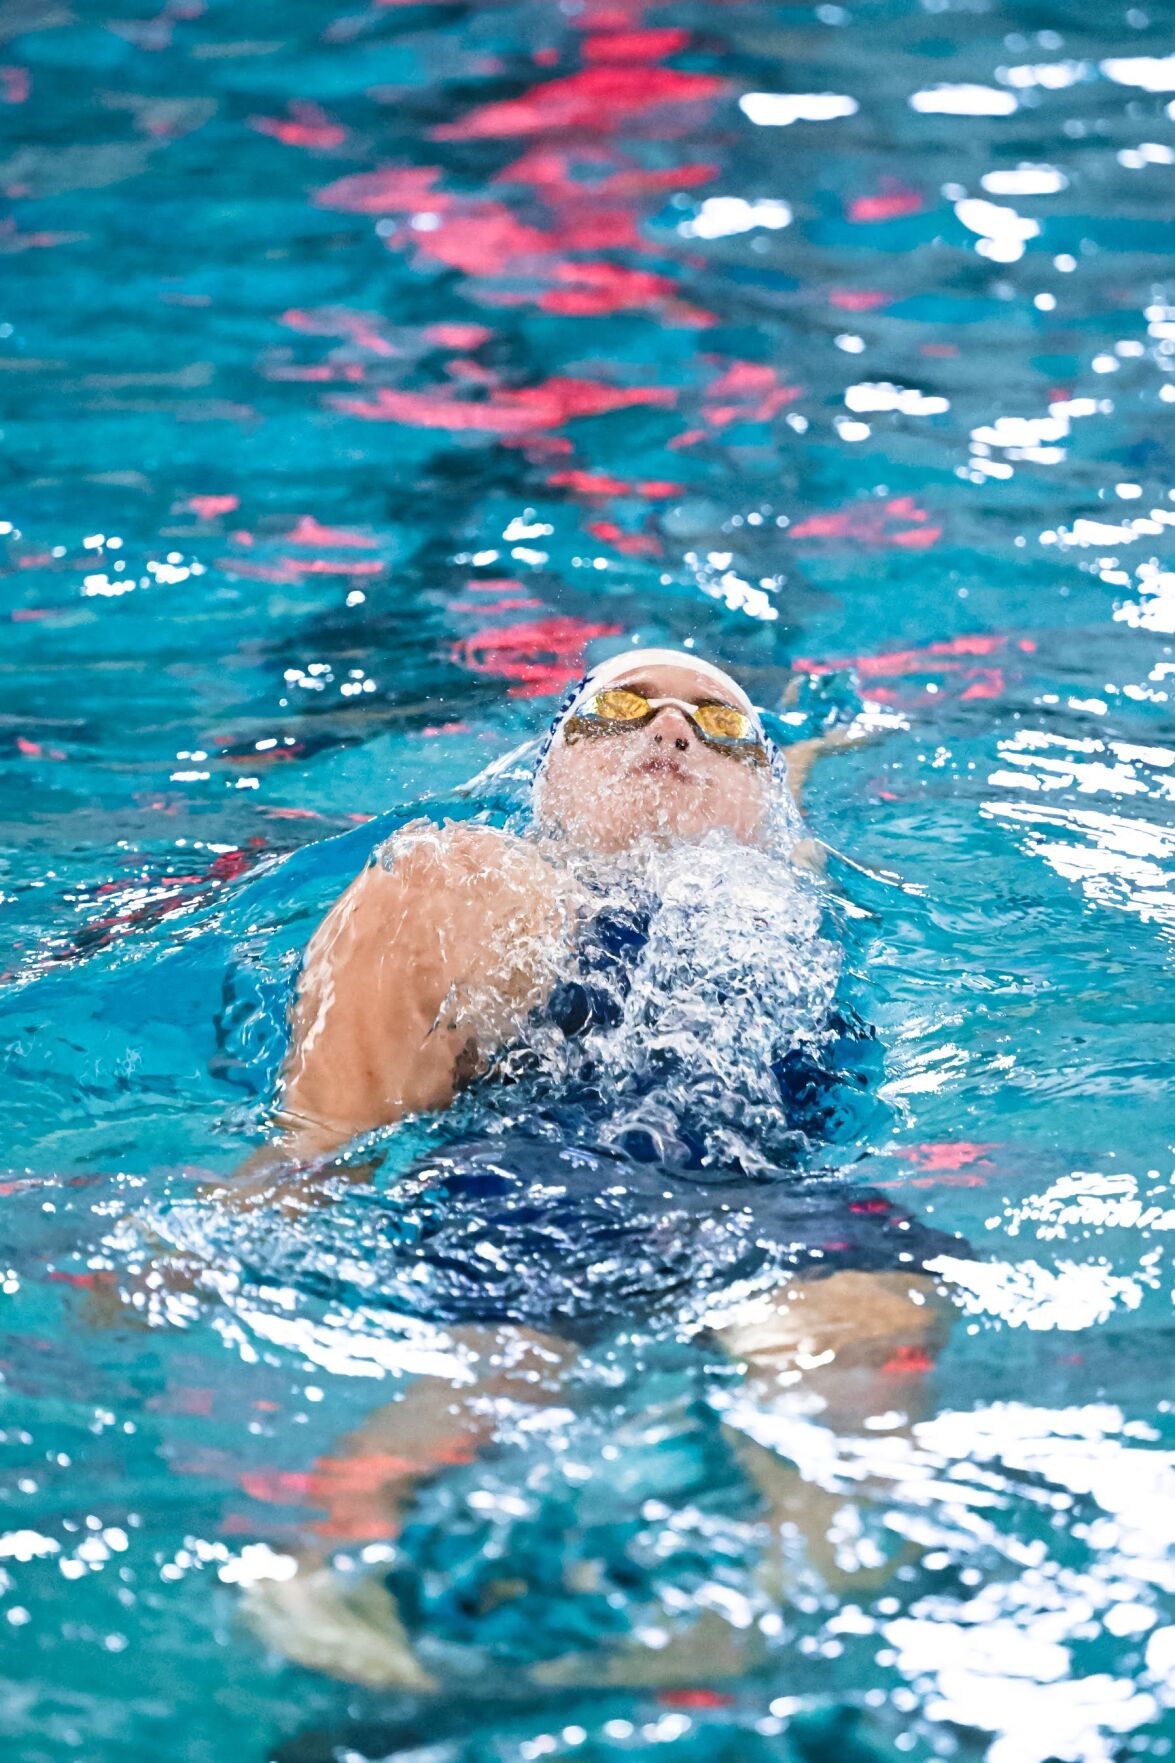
[658,781]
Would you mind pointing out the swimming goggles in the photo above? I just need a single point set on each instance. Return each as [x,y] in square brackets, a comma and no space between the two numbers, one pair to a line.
[618,710]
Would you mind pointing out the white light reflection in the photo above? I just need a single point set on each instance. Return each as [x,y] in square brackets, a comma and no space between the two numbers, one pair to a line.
[996,1652]
[1160,1657]
[1070,1295]
[1037,1722]
[1153,73]
[999,1649]
[1033,438]
[923,1071]
[26,1545]
[369,1344]
[779,109]
[716,578]
[1128,865]
[1003,232]
[1146,153]
[256,1562]
[1025,180]
[1155,611]
[875,395]
[1052,76]
[1092,1200]
[964,100]
[1087,532]
[720,216]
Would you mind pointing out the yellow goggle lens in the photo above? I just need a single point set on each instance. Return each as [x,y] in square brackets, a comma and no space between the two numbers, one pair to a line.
[717,722]
[722,722]
[617,705]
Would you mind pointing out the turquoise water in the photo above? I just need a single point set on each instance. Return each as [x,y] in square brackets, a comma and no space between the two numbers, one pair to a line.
[360,372]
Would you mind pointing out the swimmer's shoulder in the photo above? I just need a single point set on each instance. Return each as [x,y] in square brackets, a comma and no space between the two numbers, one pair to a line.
[460,853]
[458,898]
[409,878]
[468,876]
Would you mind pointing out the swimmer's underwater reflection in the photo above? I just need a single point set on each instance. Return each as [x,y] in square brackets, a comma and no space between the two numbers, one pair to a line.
[641,1012]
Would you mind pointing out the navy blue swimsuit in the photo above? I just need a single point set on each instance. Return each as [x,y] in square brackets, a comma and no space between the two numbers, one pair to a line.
[552,1222]
[824,1098]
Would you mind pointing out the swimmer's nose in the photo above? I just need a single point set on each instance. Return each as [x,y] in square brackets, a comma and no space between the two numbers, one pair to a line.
[671,725]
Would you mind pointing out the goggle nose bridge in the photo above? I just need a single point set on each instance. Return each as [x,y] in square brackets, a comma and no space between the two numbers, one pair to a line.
[658,704]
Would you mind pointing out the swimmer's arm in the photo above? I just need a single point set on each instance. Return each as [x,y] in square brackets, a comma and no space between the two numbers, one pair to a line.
[801,756]
[427,964]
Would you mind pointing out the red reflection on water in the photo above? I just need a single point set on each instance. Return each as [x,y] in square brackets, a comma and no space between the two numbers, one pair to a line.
[694,1698]
[453,335]
[901,521]
[598,483]
[891,202]
[306,126]
[308,531]
[276,1487]
[295,569]
[540,657]
[858,299]
[940,1154]
[34,749]
[364,329]
[596,99]
[628,544]
[643,45]
[949,656]
[560,174]
[484,239]
[392,189]
[747,391]
[15,85]
[548,405]
[590,288]
[908,1362]
[930,657]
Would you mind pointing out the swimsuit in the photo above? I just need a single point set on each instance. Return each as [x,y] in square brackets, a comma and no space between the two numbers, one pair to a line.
[570,1218]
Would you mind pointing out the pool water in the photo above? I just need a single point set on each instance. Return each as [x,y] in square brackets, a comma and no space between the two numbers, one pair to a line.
[361,372]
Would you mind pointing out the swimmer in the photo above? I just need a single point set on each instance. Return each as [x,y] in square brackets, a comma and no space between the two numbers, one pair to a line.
[440,951]
[452,947]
